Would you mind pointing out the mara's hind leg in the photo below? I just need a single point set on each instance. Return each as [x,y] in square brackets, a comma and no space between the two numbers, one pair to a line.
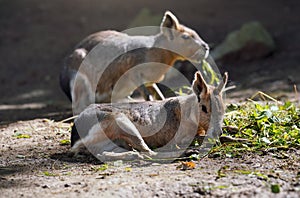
[81,93]
[94,141]
[103,148]
[130,134]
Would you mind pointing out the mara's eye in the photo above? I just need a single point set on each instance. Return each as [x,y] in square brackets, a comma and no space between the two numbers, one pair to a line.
[204,109]
[185,36]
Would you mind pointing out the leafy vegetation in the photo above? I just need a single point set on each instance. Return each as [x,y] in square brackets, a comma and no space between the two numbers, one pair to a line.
[267,126]
[209,71]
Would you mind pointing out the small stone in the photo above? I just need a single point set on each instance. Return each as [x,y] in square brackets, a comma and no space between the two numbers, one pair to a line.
[250,42]
[45,186]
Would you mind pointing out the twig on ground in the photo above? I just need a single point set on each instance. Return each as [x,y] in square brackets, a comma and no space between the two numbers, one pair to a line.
[263,95]
[68,119]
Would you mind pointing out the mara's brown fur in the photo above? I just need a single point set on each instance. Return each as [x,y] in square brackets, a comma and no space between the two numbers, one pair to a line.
[149,124]
[174,42]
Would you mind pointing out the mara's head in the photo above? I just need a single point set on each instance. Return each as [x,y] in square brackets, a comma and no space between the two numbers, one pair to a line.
[210,101]
[182,40]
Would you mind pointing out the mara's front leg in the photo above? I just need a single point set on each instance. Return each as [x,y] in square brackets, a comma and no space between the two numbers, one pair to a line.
[145,84]
[150,92]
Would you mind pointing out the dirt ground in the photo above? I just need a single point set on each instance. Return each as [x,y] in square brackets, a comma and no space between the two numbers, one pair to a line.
[35,36]
[41,165]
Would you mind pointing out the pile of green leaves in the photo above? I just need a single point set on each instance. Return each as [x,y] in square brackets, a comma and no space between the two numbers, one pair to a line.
[266,126]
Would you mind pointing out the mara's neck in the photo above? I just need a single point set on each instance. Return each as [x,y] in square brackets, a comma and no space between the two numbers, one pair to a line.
[161,52]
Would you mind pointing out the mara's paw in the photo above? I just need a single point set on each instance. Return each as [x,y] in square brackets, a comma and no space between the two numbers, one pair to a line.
[150,154]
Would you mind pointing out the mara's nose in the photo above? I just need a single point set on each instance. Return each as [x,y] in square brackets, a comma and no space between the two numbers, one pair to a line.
[205,46]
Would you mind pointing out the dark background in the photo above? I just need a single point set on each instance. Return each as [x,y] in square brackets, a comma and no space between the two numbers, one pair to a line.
[36,35]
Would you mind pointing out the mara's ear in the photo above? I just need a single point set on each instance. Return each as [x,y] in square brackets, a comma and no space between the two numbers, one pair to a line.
[199,85]
[222,84]
[169,24]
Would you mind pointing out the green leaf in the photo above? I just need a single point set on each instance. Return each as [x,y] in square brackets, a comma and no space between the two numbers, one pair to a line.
[128,169]
[65,142]
[20,135]
[243,172]
[275,188]
[103,167]
[48,174]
